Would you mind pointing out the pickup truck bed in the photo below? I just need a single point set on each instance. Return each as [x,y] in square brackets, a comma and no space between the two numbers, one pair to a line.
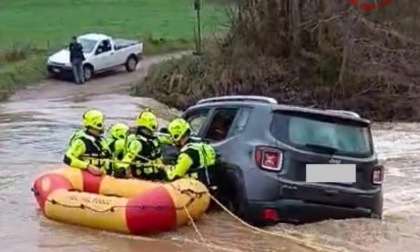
[123,43]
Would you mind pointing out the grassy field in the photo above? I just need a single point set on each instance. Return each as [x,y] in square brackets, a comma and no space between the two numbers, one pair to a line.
[30,29]
[45,23]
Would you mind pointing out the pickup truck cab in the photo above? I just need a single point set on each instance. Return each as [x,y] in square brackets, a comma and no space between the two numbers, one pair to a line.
[102,53]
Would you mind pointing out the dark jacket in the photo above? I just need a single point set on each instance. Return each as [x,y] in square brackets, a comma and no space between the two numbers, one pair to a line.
[76,51]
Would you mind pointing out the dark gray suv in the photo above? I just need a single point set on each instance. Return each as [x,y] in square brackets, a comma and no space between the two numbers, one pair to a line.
[266,148]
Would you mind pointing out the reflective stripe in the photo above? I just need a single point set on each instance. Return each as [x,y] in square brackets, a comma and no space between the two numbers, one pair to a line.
[206,152]
[151,148]
[150,154]
[207,156]
[96,149]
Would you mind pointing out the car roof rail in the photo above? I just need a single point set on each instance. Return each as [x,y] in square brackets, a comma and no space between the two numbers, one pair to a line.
[345,112]
[254,98]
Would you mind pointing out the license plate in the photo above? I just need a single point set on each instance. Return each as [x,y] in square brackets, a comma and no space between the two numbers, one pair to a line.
[56,70]
[331,173]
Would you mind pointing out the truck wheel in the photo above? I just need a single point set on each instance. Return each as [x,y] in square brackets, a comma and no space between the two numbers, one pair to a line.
[88,72]
[131,64]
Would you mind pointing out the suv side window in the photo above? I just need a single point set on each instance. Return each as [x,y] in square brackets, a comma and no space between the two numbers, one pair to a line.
[241,121]
[221,123]
[196,120]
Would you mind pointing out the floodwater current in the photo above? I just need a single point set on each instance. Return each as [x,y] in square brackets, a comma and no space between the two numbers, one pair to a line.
[34,133]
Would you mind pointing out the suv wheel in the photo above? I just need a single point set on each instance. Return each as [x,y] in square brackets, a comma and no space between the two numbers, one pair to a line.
[377,209]
[375,216]
[232,199]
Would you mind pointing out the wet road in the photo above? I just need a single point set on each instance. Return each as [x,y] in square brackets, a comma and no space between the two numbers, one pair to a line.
[34,130]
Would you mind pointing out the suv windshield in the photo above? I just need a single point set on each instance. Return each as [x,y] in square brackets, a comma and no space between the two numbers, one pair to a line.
[87,44]
[322,133]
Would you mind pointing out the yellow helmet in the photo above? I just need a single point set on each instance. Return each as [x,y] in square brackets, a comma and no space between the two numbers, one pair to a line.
[93,119]
[178,128]
[119,130]
[148,120]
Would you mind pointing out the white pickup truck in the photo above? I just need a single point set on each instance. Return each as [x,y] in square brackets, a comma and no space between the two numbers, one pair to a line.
[102,53]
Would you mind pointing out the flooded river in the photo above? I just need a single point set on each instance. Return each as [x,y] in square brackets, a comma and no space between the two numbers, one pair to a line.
[34,134]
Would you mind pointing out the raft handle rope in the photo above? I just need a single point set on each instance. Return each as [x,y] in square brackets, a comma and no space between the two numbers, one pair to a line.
[190,193]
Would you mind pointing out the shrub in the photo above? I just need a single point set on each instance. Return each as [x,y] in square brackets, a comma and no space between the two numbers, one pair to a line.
[312,53]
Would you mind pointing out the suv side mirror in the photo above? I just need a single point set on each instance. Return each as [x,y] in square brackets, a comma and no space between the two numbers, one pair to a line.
[164,130]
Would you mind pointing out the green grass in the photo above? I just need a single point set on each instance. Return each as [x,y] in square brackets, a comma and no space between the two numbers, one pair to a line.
[46,23]
[31,29]
[20,74]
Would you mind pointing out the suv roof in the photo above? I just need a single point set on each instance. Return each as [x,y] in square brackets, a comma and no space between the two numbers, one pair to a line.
[264,101]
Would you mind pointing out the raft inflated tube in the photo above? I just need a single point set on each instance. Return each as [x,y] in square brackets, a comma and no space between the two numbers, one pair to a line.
[129,206]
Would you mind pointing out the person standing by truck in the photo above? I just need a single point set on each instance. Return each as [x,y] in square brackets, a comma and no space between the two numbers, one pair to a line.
[76,59]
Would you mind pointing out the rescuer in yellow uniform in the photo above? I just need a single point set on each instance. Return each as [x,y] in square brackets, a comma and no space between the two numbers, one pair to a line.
[195,160]
[88,149]
[116,142]
[143,152]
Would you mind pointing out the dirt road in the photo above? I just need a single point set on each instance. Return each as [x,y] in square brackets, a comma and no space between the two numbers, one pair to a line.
[117,82]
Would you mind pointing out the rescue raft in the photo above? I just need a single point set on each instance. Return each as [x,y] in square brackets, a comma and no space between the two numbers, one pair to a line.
[120,205]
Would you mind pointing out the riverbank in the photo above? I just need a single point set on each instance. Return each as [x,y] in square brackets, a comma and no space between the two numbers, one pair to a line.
[312,59]
[25,41]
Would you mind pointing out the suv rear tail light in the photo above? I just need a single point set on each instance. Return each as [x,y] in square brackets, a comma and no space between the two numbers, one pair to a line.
[270,215]
[268,158]
[377,174]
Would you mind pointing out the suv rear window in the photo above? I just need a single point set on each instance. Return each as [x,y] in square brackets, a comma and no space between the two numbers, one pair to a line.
[322,133]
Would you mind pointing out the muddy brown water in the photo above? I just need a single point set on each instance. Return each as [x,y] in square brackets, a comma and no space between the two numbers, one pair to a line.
[36,124]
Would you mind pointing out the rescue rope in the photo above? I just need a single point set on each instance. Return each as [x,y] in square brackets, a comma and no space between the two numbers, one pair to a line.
[308,244]
[197,230]
[312,245]
[188,192]
[194,195]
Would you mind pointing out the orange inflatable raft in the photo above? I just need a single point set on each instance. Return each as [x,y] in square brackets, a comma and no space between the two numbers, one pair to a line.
[121,205]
